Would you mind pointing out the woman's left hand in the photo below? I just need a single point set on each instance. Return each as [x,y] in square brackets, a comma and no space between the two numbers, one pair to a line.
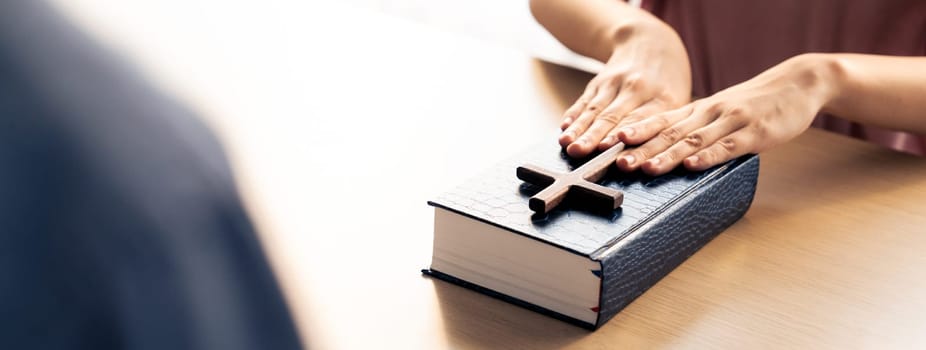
[750,117]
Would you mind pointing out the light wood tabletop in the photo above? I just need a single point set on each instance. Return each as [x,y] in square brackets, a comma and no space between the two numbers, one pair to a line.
[831,254]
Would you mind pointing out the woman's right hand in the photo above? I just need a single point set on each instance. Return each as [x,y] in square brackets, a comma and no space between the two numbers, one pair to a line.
[648,72]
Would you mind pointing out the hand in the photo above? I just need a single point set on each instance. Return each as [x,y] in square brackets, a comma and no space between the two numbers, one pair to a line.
[648,73]
[750,117]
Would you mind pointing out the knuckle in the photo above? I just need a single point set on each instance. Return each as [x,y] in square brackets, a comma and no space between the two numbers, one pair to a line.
[716,108]
[670,135]
[581,116]
[760,131]
[728,145]
[737,112]
[668,101]
[660,122]
[609,116]
[633,83]
[617,76]
[706,156]
[608,79]
[630,118]
[694,140]
[672,155]
[578,127]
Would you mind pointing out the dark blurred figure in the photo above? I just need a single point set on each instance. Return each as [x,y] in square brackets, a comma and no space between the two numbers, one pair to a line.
[120,225]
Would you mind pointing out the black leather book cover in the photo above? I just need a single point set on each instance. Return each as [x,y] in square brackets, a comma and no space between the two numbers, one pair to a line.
[663,220]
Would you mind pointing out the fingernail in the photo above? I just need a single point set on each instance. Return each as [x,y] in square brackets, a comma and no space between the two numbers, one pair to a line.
[582,141]
[628,131]
[567,120]
[608,140]
[693,159]
[655,161]
[629,159]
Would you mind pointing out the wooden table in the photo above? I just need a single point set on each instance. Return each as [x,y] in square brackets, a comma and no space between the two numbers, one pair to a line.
[832,253]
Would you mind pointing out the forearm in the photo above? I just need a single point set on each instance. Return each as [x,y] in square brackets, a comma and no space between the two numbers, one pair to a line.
[776,106]
[594,27]
[884,91]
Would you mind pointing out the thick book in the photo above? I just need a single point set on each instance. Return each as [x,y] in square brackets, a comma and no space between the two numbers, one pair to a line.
[575,264]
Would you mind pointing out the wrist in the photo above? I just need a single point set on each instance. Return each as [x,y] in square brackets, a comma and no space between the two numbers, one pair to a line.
[821,76]
[646,29]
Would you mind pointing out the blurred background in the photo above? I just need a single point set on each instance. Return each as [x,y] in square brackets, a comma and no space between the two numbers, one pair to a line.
[157,114]
[505,23]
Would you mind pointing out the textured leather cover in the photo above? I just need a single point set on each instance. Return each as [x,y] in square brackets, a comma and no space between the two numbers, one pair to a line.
[654,249]
[663,219]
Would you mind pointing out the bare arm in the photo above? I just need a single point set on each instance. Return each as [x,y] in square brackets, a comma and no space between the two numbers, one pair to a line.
[778,105]
[590,27]
[885,91]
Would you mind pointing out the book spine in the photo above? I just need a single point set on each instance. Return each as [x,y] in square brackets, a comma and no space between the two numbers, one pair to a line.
[644,257]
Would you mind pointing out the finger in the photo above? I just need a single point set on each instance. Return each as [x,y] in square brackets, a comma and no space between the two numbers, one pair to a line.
[691,144]
[647,128]
[604,122]
[589,141]
[729,147]
[663,140]
[646,110]
[573,111]
[602,99]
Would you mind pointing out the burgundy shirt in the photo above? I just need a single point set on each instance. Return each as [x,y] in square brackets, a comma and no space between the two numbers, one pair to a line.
[730,41]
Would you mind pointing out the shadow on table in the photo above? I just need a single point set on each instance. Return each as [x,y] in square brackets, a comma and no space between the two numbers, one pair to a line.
[822,163]
[473,320]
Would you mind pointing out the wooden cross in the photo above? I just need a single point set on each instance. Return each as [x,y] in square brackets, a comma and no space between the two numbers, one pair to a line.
[580,181]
